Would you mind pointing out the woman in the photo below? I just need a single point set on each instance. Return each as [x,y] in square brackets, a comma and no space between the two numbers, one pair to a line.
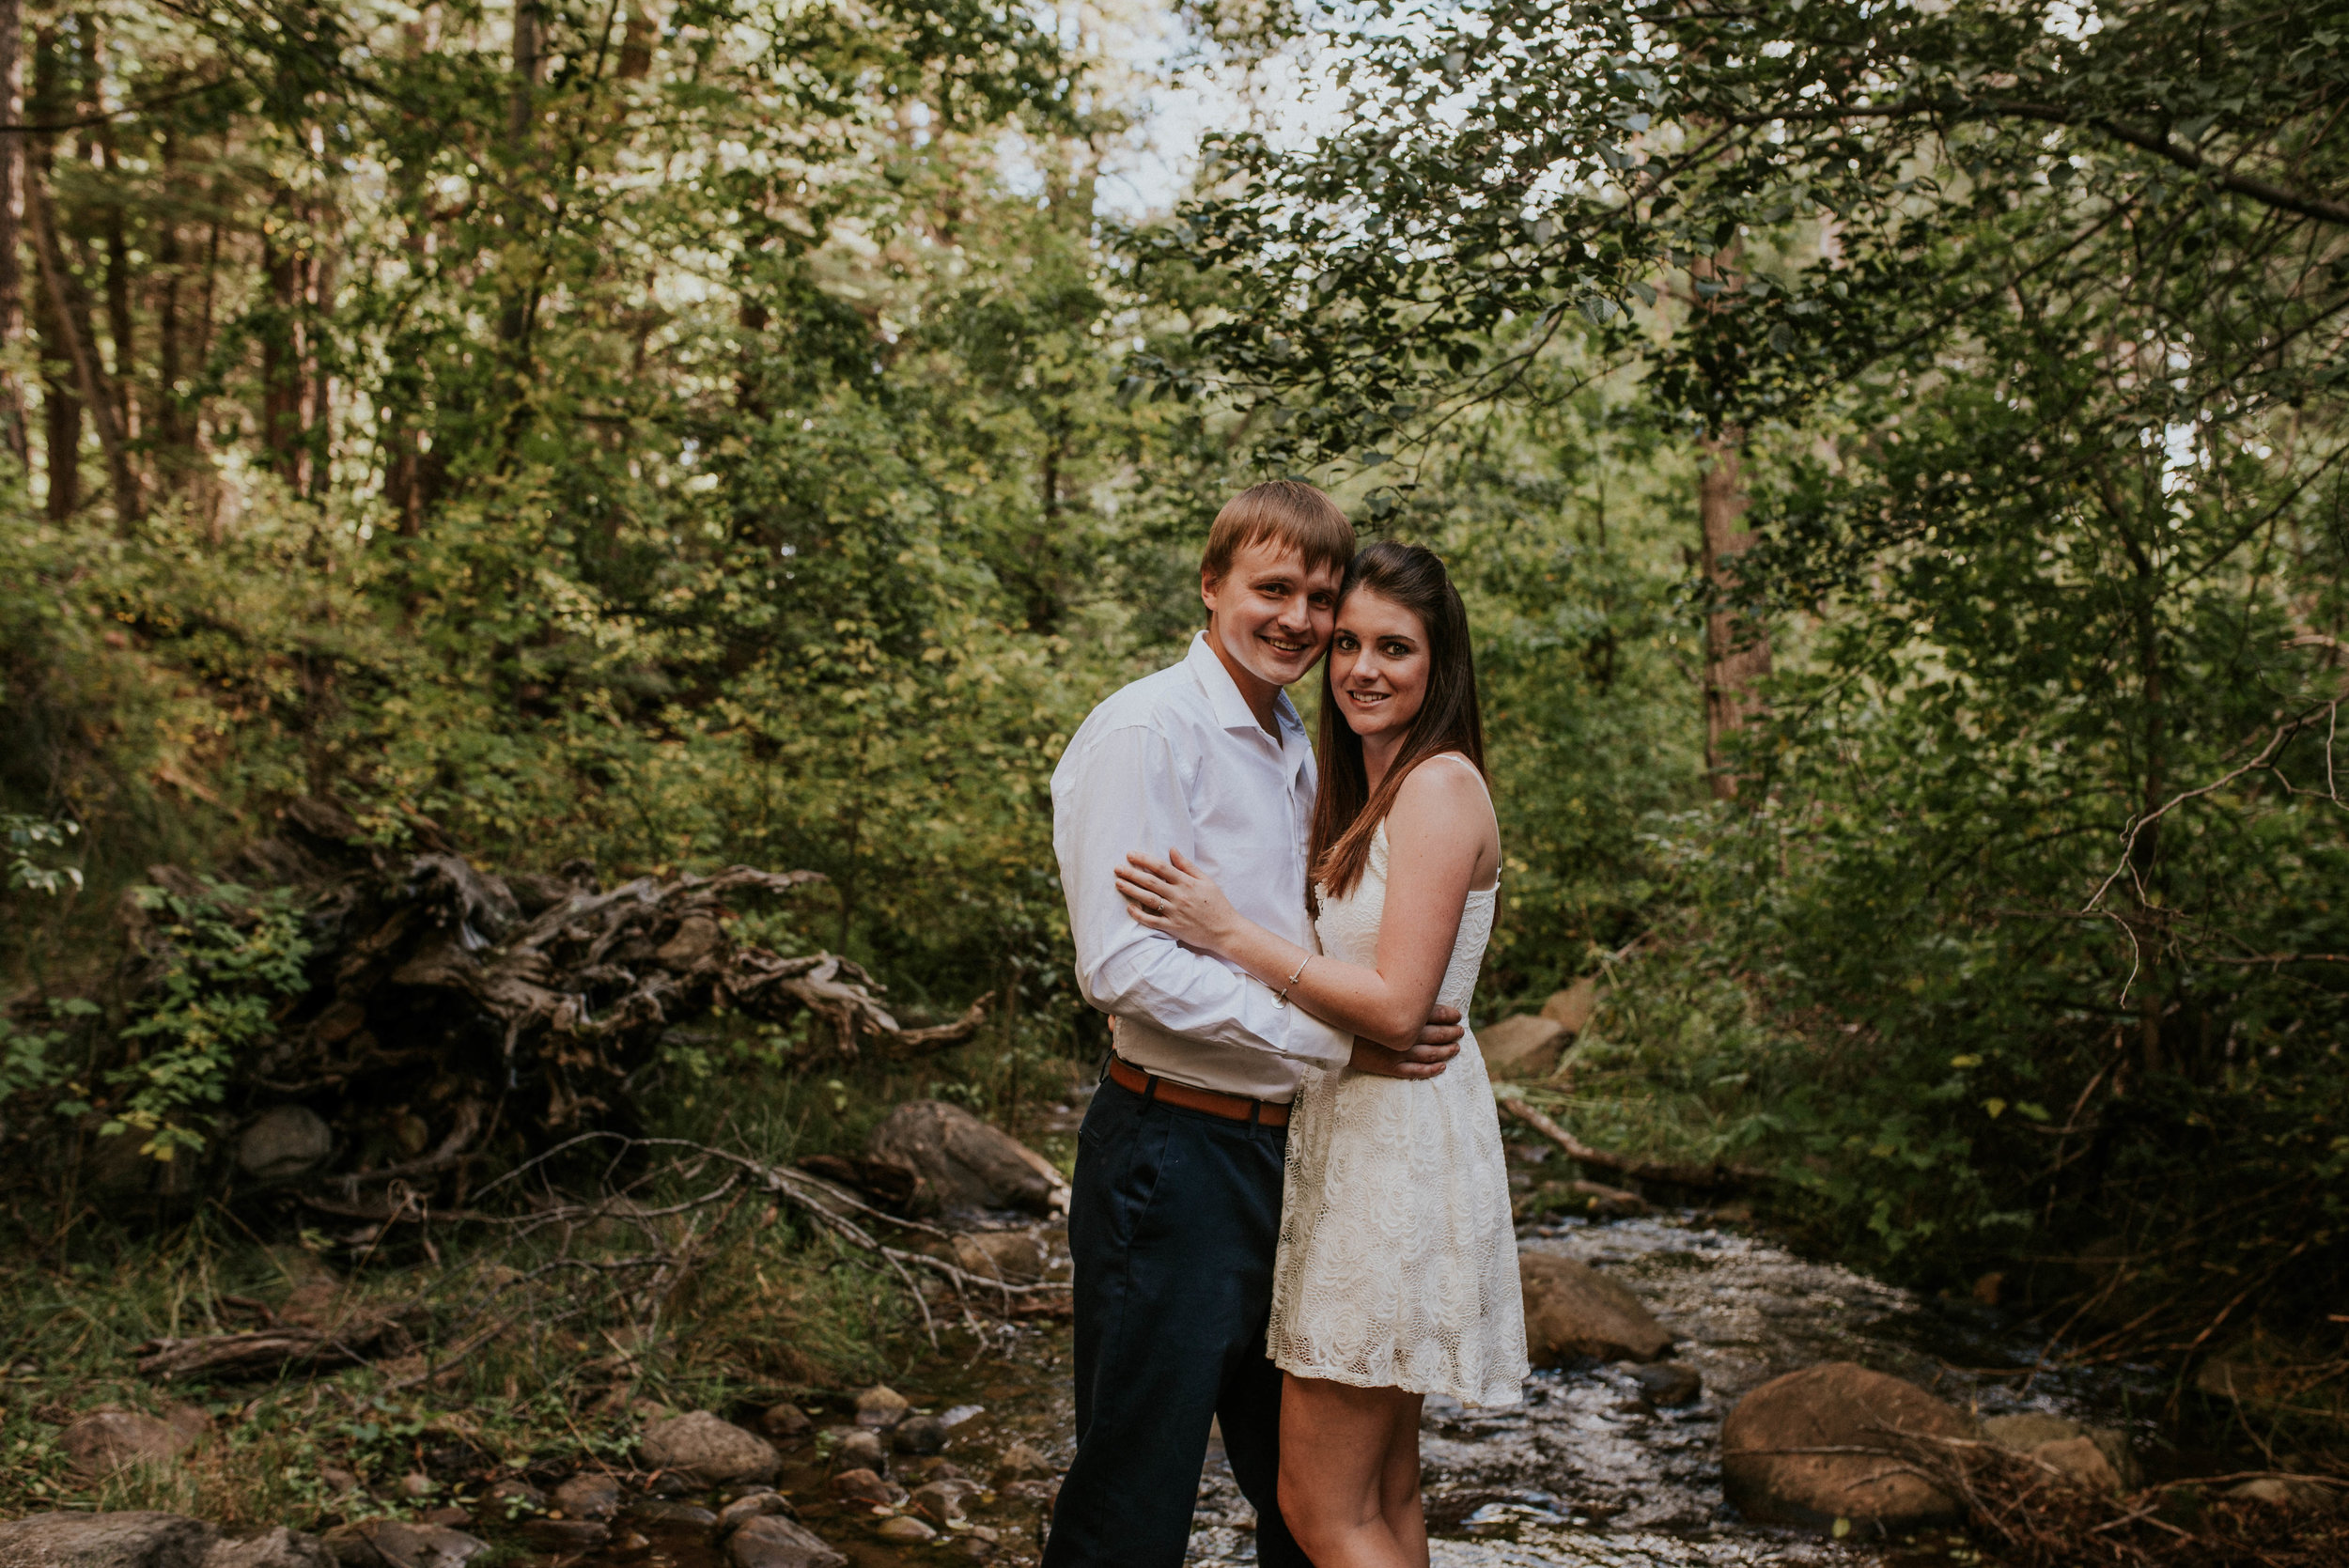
[1398,1275]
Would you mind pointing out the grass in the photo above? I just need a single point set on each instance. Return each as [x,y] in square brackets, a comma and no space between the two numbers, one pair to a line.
[755,1307]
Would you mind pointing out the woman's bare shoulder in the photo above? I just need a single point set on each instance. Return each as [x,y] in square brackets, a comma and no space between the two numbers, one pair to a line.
[1444,795]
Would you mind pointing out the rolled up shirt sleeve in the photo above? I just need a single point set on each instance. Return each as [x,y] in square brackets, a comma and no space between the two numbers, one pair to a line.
[1123,791]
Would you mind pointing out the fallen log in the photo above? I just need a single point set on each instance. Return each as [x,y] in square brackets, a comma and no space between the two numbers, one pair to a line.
[266,1352]
[456,1022]
[1713,1177]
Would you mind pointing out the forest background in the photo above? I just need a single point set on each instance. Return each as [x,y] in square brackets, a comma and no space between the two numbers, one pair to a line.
[1893,457]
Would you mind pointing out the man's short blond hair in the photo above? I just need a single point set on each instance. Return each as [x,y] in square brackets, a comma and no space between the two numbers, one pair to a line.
[1288,510]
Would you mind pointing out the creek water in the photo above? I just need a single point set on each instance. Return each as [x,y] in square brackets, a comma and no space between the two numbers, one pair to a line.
[1587,1473]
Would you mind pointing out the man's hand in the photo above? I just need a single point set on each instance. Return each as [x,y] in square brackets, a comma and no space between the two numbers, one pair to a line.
[1439,1043]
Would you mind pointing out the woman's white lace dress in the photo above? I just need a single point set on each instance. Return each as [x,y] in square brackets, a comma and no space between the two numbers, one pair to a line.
[1398,1263]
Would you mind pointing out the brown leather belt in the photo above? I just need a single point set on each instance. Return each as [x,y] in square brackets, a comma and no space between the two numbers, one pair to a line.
[1235,1107]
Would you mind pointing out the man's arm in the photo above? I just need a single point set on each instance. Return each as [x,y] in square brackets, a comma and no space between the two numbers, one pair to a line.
[1120,792]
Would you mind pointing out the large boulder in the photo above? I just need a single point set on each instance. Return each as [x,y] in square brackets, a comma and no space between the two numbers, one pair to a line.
[774,1542]
[1526,1046]
[1835,1443]
[1572,1008]
[702,1447]
[105,1541]
[965,1162]
[284,1141]
[275,1547]
[2096,1457]
[396,1543]
[104,1442]
[1573,1310]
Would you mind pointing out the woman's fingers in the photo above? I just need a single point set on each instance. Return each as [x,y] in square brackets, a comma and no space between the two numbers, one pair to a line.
[1149,866]
[1133,885]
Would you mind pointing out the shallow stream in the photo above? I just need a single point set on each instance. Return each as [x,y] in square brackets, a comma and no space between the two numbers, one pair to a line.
[1589,1471]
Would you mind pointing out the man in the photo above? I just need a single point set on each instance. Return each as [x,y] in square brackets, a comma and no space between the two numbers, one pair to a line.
[1177,1211]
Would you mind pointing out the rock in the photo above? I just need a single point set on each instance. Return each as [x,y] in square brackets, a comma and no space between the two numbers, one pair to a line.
[784,1421]
[105,1441]
[742,1510]
[276,1547]
[284,1141]
[940,1501]
[775,1541]
[1021,1462]
[905,1527]
[1526,1046]
[882,1405]
[2051,1438]
[918,1434]
[130,1540]
[455,1518]
[1572,1309]
[566,1537]
[1837,1405]
[1013,1257]
[666,1511]
[192,1421]
[865,1487]
[860,1449]
[1666,1384]
[390,1543]
[415,1484]
[2278,1491]
[2026,1430]
[700,1447]
[967,1163]
[2224,1377]
[338,1481]
[589,1495]
[1571,1009]
[2083,1463]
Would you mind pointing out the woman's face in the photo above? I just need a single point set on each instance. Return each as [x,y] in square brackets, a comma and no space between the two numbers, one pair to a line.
[1378,664]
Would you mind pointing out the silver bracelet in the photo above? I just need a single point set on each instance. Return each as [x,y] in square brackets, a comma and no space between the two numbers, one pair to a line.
[1281,997]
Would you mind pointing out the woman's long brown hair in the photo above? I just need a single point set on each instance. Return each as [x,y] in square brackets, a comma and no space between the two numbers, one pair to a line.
[1345,813]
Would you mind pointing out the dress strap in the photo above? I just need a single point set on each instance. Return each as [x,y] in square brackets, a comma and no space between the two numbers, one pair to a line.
[1478,773]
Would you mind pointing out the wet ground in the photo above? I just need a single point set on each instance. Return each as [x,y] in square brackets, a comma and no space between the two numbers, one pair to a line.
[1591,1469]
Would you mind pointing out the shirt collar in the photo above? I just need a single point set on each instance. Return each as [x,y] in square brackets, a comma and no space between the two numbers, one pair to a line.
[1232,711]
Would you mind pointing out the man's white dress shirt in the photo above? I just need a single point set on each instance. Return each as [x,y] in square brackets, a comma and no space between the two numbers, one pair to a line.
[1176,761]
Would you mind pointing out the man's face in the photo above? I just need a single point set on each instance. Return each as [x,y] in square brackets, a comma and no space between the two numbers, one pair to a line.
[1272,613]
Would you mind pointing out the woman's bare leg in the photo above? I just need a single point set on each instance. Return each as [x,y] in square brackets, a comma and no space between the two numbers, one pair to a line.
[1338,1473]
[1398,1487]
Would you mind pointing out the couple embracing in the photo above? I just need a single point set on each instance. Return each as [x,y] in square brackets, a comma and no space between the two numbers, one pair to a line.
[1291,1212]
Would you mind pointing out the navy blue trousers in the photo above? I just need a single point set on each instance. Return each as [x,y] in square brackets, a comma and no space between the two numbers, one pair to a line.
[1173,1225]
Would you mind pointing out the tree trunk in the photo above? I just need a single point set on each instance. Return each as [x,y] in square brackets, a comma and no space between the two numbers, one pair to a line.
[121,326]
[1737,653]
[61,406]
[318,448]
[282,352]
[71,315]
[12,221]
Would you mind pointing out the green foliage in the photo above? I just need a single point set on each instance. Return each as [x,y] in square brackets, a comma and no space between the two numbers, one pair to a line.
[32,840]
[2026,928]
[230,955]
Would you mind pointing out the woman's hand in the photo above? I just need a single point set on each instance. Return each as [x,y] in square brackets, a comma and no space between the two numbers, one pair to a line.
[1171,895]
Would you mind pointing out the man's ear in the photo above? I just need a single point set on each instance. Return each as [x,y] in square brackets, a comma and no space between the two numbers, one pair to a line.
[1209,585]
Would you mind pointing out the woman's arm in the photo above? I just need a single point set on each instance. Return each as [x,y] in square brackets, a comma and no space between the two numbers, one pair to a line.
[1438,838]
